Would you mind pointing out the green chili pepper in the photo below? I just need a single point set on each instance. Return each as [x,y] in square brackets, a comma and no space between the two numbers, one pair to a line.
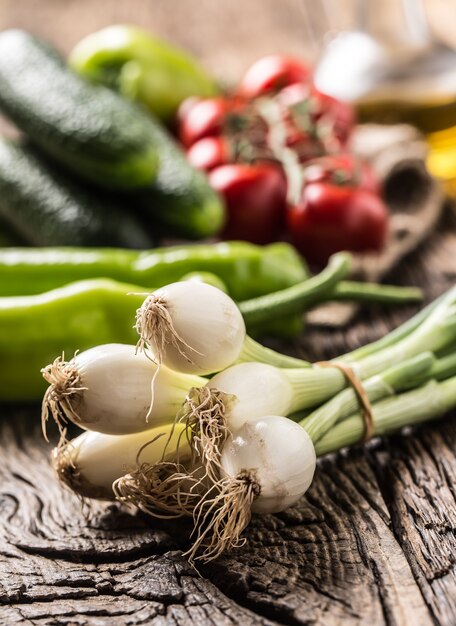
[34,330]
[247,270]
[142,68]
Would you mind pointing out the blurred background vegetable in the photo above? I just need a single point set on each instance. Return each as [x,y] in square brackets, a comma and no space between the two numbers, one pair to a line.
[143,68]
[98,135]
[46,207]
[87,128]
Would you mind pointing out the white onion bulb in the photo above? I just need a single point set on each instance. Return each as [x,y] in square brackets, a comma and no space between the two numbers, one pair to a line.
[91,463]
[260,389]
[280,457]
[204,332]
[114,391]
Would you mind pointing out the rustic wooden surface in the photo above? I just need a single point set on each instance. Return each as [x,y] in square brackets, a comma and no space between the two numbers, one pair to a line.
[373,542]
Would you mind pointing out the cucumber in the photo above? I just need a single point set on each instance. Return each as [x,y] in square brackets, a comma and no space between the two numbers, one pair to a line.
[9,238]
[95,133]
[47,209]
[89,128]
[180,200]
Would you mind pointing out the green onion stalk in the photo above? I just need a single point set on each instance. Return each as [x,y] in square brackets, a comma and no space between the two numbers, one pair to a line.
[432,329]
[426,403]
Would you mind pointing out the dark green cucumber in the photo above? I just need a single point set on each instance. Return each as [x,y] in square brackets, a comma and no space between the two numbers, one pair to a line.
[47,209]
[180,199]
[9,238]
[93,132]
[89,128]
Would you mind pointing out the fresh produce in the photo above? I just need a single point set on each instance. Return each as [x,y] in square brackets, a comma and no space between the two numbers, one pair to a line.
[265,466]
[429,402]
[240,439]
[200,118]
[197,328]
[209,152]
[270,74]
[339,209]
[36,329]
[97,134]
[279,140]
[312,115]
[91,463]
[191,327]
[233,419]
[180,200]
[89,129]
[47,208]
[206,277]
[247,270]
[140,67]
[110,389]
[255,196]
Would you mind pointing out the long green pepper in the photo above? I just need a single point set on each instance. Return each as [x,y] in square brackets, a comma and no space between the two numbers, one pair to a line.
[247,270]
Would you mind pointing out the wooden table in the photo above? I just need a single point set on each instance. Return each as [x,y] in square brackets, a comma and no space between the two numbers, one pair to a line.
[373,542]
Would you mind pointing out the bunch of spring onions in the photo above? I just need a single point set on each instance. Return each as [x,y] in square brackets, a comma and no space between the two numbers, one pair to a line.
[200,420]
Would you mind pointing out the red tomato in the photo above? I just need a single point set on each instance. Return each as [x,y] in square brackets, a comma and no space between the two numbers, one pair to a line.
[329,218]
[320,110]
[342,169]
[204,118]
[255,197]
[208,153]
[341,115]
[271,74]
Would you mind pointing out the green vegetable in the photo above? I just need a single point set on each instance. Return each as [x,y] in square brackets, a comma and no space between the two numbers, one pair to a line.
[88,128]
[426,403]
[372,292]
[97,134]
[297,297]
[141,67]
[180,199]
[46,208]
[36,329]
[247,270]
